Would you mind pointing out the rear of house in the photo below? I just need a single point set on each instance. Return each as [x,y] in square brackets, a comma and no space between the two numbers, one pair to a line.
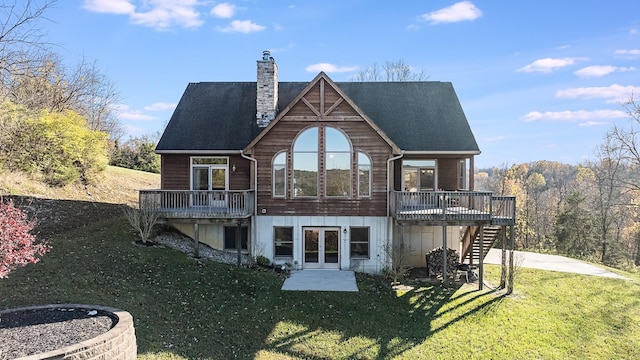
[322,174]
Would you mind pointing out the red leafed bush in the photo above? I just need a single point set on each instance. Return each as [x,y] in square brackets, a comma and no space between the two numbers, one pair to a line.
[18,245]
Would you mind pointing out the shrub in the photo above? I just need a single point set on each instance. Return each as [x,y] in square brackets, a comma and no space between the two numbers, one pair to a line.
[262,260]
[18,245]
[142,221]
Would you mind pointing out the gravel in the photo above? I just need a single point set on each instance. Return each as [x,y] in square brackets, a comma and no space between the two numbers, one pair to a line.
[183,243]
[28,332]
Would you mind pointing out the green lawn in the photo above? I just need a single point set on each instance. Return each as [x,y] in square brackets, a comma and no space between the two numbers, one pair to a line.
[186,309]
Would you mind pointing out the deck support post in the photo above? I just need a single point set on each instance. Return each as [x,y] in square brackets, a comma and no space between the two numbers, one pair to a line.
[481,262]
[503,268]
[445,276]
[196,240]
[239,243]
[511,259]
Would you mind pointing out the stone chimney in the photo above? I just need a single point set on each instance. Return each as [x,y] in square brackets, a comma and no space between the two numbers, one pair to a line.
[267,96]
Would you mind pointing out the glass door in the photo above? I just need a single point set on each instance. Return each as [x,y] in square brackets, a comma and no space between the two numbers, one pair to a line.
[210,183]
[321,248]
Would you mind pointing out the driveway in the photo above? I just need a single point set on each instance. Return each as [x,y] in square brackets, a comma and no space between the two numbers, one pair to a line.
[552,262]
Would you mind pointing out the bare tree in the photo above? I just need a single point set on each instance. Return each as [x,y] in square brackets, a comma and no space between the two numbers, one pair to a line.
[20,34]
[391,71]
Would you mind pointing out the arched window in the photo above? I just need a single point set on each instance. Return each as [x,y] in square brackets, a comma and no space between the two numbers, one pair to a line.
[364,175]
[280,175]
[337,164]
[305,164]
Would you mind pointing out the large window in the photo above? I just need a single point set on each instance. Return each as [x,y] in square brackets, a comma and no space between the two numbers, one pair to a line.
[283,242]
[280,175]
[364,175]
[419,175]
[335,154]
[359,243]
[337,164]
[305,164]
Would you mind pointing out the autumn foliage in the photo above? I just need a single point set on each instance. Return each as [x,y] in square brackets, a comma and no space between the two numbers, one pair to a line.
[18,246]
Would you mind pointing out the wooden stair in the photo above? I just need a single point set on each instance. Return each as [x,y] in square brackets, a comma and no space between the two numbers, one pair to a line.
[471,254]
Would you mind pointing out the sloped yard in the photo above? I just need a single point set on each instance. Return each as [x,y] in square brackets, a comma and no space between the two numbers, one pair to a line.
[189,309]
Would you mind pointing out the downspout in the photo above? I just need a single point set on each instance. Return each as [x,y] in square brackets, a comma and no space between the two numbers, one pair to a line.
[388,180]
[389,221]
[255,199]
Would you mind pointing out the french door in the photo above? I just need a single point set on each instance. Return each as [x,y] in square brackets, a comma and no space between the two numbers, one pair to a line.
[321,248]
[207,178]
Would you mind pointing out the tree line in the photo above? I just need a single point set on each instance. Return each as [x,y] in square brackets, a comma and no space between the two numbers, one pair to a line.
[58,121]
[589,211]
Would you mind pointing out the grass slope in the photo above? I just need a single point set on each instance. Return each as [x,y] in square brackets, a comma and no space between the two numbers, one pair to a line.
[188,309]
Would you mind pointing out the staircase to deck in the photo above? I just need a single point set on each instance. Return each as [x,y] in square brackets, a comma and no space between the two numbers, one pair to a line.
[471,242]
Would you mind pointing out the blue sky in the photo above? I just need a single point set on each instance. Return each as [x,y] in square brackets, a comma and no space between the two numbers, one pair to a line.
[538,79]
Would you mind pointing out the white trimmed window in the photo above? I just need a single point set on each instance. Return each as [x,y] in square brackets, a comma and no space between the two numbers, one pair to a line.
[280,175]
[364,175]
[305,164]
[283,242]
[359,242]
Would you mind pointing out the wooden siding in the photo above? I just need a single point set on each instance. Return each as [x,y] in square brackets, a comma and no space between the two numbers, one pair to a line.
[448,174]
[322,106]
[175,173]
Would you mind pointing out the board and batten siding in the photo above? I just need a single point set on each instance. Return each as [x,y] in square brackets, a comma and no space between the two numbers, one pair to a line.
[378,235]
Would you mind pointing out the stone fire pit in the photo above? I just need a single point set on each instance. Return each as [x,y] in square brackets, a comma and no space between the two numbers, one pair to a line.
[67,331]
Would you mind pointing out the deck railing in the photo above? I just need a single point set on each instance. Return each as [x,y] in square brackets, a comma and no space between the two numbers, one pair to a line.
[449,206]
[197,204]
[504,210]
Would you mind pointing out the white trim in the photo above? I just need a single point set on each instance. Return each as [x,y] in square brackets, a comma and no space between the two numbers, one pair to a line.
[200,152]
[428,153]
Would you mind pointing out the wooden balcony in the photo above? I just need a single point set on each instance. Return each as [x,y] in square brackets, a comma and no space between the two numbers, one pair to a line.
[198,205]
[452,208]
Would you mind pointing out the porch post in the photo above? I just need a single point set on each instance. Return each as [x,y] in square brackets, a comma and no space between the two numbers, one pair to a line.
[445,276]
[481,262]
[196,240]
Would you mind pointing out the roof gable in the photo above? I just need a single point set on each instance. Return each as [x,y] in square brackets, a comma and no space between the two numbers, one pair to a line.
[322,99]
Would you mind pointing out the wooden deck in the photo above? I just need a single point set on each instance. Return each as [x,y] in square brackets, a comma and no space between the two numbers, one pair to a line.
[184,204]
[452,208]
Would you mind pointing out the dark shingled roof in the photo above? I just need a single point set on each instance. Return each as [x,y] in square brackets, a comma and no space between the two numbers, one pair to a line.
[416,116]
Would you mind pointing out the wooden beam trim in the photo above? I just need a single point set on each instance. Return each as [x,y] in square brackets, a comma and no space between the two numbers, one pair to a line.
[310,106]
[334,106]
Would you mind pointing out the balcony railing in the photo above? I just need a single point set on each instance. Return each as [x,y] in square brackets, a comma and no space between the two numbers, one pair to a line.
[451,207]
[197,204]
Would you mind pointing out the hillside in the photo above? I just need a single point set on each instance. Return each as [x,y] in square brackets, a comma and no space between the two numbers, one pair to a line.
[115,186]
[76,205]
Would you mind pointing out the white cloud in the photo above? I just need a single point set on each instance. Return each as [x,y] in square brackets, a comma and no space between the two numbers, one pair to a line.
[613,93]
[548,65]
[593,123]
[633,32]
[628,53]
[573,115]
[158,14]
[413,27]
[330,68]
[160,106]
[224,10]
[461,11]
[109,6]
[601,70]
[242,26]
[135,116]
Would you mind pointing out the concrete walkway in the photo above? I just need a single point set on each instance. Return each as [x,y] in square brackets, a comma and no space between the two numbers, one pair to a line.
[551,262]
[320,280]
